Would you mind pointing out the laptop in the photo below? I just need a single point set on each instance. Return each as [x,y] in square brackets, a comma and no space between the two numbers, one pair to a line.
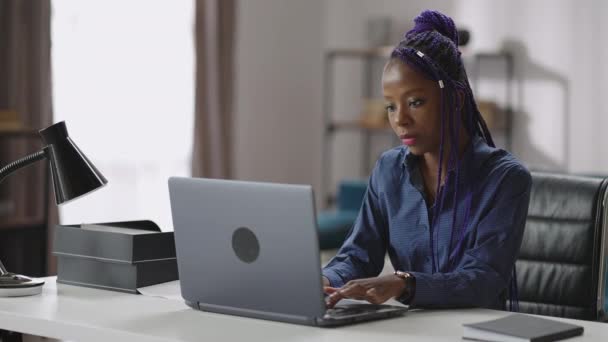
[251,249]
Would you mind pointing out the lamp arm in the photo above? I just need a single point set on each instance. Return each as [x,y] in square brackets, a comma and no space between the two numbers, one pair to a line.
[12,167]
[17,164]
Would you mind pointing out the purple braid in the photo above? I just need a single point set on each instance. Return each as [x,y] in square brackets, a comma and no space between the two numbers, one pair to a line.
[438,202]
[454,150]
[460,231]
[431,48]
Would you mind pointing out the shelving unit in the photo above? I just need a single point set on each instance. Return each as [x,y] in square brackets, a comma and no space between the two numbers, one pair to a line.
[367,130]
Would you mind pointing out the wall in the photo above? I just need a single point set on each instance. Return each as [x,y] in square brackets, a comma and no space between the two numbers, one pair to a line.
[278,91]
[557,62]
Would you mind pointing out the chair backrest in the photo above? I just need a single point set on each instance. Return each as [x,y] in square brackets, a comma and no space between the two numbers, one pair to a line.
[561,269]
[351,194]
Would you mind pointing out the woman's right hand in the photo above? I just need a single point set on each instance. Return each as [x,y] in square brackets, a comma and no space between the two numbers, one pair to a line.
[375,290]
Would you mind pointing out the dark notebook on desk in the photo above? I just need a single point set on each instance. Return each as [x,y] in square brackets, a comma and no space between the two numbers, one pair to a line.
[521,328]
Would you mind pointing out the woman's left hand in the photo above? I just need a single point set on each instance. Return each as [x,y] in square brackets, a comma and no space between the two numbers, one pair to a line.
[375,290]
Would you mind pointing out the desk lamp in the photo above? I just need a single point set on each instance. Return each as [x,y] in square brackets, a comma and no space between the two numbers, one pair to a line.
[73,176]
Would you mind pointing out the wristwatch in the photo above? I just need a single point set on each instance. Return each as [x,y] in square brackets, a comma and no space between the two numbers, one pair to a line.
[410,286]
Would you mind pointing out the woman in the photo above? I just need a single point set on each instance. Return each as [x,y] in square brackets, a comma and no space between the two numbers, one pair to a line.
[448,207]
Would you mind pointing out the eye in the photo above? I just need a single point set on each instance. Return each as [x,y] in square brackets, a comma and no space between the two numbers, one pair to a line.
[415,103]
[389,108]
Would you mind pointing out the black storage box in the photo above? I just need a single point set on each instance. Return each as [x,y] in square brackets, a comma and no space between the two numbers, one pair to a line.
[120,256]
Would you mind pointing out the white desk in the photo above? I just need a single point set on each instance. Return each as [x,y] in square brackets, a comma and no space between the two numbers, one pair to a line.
[83,314]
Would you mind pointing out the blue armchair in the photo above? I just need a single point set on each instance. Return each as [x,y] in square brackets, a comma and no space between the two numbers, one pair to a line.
[334,225]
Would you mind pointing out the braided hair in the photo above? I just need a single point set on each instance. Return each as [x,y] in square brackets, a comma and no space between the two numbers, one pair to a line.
[431,48]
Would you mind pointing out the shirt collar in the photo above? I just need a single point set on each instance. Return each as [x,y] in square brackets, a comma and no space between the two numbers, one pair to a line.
[474,156]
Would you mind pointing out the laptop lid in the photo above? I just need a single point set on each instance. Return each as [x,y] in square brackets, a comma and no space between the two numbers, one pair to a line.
[247,248]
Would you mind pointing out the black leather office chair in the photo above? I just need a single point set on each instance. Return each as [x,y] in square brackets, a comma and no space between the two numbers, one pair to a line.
[561,268]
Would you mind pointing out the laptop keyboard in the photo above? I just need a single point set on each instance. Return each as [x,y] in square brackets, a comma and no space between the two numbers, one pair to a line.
[352,309]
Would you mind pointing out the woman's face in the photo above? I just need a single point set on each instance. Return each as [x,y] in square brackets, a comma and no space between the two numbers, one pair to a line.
[413,107]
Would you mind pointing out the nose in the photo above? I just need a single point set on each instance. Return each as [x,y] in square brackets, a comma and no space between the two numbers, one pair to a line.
[402,117]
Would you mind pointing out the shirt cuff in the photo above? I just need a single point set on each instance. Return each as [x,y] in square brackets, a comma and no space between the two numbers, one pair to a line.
[335,280]
[423,293]
[410,290]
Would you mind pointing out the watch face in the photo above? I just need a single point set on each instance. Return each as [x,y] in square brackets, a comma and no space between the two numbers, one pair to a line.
[401,274]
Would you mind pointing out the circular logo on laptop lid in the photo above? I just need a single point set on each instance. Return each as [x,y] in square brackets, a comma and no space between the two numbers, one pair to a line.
[245,245]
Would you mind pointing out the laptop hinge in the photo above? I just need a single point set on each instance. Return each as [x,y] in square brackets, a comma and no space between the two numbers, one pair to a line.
[257,314]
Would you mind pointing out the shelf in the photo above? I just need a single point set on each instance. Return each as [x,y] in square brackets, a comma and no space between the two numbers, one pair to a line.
[363,126]
[23,222]
[360,125]
[496,55]
[17,132]
[384,51]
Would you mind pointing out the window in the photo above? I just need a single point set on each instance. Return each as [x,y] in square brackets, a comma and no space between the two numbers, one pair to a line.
[123,80]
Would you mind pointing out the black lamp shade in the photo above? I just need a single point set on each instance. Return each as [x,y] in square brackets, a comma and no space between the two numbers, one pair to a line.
[73,174]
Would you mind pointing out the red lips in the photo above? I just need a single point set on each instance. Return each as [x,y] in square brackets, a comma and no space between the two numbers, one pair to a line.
[408,139]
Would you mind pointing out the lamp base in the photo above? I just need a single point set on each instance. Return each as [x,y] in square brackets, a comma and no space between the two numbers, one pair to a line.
[15,285]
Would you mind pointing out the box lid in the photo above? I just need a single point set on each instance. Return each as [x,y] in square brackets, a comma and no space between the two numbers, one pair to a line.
[122,242]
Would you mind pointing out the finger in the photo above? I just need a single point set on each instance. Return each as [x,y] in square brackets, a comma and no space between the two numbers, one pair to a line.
[339,294]
[333,299]
[353,291]
[373,296]
[329,289]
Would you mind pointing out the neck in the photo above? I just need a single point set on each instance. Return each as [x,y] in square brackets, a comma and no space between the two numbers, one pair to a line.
[431,159]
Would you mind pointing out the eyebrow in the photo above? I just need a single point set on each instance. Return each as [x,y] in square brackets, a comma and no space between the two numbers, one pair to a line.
[411,91]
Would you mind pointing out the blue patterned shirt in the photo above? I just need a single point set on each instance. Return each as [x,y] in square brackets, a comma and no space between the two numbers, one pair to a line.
[493,192]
